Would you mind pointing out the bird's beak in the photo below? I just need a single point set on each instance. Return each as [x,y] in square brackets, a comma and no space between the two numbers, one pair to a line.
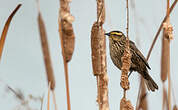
[107,34]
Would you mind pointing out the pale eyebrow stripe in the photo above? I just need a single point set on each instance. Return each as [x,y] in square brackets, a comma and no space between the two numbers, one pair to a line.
[116,33]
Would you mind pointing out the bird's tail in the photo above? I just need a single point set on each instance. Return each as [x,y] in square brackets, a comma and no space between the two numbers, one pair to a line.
[151,85]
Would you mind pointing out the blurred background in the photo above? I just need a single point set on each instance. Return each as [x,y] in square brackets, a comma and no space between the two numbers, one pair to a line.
[22,66]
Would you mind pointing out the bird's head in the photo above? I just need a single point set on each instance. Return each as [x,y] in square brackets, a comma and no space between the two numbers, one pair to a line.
[115,35]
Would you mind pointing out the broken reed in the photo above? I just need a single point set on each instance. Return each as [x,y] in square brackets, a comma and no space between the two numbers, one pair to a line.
[6,27]
[98,48]
[67,38]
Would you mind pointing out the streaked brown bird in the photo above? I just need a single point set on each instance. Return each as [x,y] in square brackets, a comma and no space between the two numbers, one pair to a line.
[117,43]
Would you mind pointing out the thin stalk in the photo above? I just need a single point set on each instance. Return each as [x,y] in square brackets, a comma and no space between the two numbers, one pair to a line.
[127,29]
[48,100]
[156,37]
[54,99]
[65,67]
[159,30]
[169,80]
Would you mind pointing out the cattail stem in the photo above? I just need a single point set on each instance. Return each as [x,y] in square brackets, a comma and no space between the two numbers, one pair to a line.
[169,85]
[48,100]
[65,66]
[54,100]
[127,7]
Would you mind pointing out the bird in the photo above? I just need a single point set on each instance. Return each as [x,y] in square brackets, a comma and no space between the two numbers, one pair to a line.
[117,45]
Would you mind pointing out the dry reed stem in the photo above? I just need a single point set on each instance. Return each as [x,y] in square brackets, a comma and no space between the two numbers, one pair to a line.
[65,66]
[48,100]
[54,99]
[45,49]
[169,87]
[156,37]
[165,99]
[142,99]
[42,100]
[101,11]
[173,94]
[159,30]
[103,87]
[6,27]
[67,29]
[169,35]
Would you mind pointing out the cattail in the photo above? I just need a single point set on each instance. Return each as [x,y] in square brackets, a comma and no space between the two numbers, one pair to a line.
[45,49]
[98,46]
[125,104]
[165,56]
[68,39]
[6,27]
[125,67]
[68,36]
[126,58]
[98,41]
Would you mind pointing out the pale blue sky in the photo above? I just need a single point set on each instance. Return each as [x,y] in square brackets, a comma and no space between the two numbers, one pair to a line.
[22,63]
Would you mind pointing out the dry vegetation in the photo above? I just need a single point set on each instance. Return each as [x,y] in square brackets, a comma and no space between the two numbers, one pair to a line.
[98,50]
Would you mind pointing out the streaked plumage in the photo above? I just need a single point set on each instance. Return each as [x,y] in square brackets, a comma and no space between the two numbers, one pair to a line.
[117,41]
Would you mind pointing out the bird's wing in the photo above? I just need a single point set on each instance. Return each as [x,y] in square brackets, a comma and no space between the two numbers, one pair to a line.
[132,45]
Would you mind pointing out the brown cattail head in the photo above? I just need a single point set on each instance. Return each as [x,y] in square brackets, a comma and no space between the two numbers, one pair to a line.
[98,46]
[125,104]
[125,67]
[68,38]
[165,57]
[46,55]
